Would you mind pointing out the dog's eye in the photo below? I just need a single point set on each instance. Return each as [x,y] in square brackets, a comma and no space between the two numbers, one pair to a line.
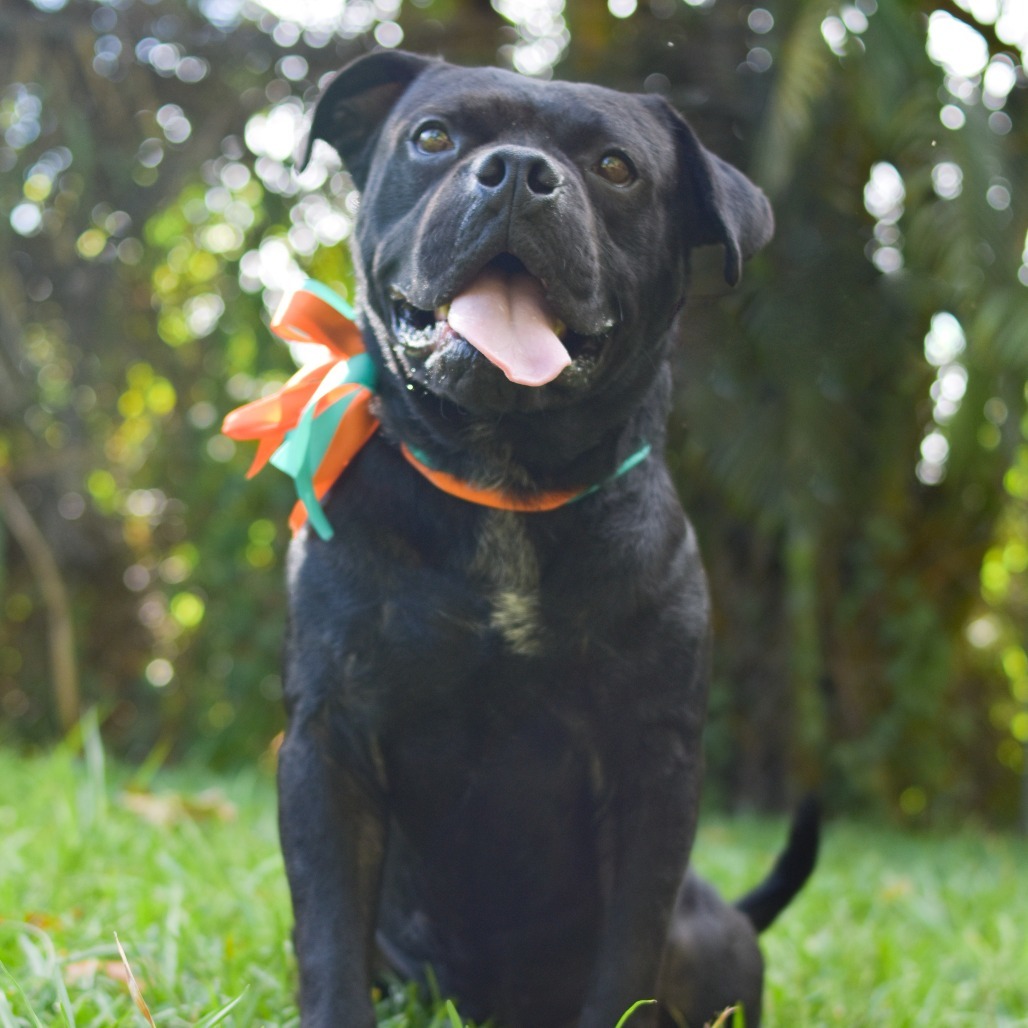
[617,170]
[432,138]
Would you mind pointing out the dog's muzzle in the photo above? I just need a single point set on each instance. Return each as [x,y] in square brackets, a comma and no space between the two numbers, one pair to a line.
[504,315]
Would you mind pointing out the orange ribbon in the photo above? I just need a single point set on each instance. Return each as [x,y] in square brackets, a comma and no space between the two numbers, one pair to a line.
[342,379]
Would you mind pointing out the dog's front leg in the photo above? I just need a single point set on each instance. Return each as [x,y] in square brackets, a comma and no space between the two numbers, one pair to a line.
[647,836]
[333,839]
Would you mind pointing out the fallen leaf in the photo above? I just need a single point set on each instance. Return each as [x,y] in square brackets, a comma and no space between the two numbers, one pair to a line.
[171,808]
[40,920]
[211,803]
[86,971]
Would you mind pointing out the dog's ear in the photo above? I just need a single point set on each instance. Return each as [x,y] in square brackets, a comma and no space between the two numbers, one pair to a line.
[729,208]
[353,106]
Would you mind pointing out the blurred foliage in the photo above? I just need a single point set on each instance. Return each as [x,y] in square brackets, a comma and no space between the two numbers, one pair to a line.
[851,433]
[866,422]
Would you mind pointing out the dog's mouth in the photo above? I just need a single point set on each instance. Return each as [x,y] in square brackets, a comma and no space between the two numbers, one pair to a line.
[504,315]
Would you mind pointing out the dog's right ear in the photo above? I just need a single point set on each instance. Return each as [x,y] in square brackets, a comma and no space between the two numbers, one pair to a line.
[353,106]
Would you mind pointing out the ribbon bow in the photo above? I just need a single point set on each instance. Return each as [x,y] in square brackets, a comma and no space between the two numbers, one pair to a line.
[314,425]
[317,422]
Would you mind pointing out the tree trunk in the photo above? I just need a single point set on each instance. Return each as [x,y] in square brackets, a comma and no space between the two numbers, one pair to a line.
[61,634]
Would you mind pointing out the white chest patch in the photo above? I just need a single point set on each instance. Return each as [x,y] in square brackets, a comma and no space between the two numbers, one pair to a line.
[506,565]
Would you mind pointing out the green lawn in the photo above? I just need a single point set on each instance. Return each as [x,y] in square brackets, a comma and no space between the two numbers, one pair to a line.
[893,930]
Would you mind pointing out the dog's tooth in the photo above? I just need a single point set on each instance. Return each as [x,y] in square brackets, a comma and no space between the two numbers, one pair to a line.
[420,339]
[443,312]
[559,328]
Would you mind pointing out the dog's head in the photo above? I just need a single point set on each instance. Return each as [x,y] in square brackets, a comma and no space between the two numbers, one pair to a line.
[523,246]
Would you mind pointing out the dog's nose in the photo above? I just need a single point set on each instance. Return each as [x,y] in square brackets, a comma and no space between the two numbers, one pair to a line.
[518,168]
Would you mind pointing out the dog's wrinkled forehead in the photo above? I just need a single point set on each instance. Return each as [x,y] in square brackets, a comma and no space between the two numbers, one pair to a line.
[491,102]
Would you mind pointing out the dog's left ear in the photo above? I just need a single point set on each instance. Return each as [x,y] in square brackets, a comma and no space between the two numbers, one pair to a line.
[729,208]
[351,110]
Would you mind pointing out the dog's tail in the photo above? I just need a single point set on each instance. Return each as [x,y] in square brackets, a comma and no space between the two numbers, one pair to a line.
[791,871]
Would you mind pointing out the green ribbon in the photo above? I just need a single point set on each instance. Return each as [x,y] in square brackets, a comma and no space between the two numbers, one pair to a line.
[304,446]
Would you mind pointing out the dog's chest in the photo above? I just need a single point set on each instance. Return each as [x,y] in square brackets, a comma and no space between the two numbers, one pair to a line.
[435,617]
[506,565]
[474,590]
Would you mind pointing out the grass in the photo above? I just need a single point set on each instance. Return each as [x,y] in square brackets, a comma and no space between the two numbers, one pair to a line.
[893,930]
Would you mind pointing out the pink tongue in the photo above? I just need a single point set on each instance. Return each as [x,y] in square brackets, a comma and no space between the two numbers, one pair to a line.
[504,317]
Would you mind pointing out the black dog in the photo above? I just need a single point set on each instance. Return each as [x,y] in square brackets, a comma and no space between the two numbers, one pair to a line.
[712,959]
[493,757]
